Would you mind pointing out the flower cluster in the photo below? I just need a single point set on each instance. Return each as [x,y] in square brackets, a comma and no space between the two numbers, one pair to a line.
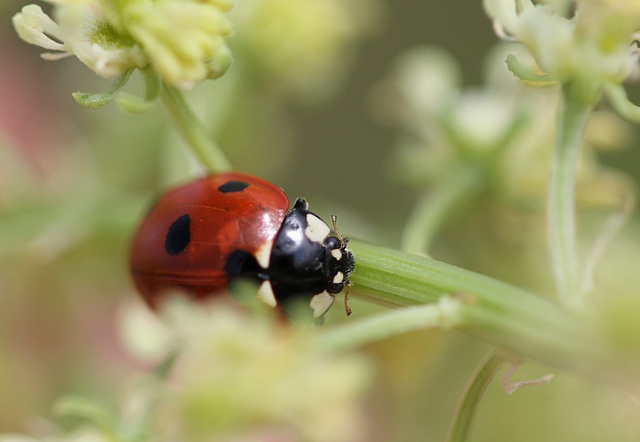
[246,377]
[443,125]
[592,47]
[182,39]
[223,375]
[492,142]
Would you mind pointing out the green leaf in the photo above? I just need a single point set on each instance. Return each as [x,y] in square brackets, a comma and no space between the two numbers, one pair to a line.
[96,101]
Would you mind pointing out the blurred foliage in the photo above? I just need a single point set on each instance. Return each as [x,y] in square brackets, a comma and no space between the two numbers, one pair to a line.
[74,182]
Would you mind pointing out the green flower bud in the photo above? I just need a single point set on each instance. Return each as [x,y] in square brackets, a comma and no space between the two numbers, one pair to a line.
[220,64]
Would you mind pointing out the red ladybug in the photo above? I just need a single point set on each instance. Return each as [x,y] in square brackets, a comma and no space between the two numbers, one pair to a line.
[200,236]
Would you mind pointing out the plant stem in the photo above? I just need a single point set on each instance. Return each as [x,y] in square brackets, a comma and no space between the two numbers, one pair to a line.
[473,392]
[501,314]
[435,206]
[207,151]
[353,334]
[572,118]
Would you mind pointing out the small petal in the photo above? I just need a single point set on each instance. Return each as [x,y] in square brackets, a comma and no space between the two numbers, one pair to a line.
[53,56]
[549,37]
[96,43]
[81,32]
[505,13]
[33,25]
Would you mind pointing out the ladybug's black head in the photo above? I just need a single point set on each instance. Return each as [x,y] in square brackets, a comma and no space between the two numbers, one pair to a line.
[307,262]
[339,263]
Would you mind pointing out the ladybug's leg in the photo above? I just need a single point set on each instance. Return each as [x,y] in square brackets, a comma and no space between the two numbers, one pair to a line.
[343,245]
[347,309]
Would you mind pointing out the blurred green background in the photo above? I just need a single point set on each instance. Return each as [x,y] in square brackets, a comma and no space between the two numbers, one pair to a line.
[73,182]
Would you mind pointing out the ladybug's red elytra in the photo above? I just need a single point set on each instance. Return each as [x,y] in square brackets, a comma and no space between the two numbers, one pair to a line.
[200,236]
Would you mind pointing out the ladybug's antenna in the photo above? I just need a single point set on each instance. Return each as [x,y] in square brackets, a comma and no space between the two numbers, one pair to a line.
[343,244]
[334,221]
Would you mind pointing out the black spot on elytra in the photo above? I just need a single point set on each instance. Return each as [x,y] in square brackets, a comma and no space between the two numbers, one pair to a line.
[178,236]
[233,186]
[242,263]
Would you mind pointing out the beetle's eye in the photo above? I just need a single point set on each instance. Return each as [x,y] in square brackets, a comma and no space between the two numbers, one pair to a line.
[332,243]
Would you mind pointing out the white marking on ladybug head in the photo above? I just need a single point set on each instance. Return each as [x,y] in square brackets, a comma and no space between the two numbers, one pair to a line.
[265,294]
[338,278]
[337,254]
[263,254]
[316,230]
[320,303]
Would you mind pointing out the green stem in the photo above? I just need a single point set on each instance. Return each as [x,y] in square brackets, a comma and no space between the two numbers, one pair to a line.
[161,372]
[501,314]
[572,119]
[435,206]
[473,392]
[207,151]
[353,334]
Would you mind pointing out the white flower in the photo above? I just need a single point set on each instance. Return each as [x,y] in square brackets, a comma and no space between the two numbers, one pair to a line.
[182,39]
[593,47]
[427,79]
[35,27]
[242,376]
[424,96]
[80,31]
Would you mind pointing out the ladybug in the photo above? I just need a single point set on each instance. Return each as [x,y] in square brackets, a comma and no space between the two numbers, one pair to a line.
[200,236]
